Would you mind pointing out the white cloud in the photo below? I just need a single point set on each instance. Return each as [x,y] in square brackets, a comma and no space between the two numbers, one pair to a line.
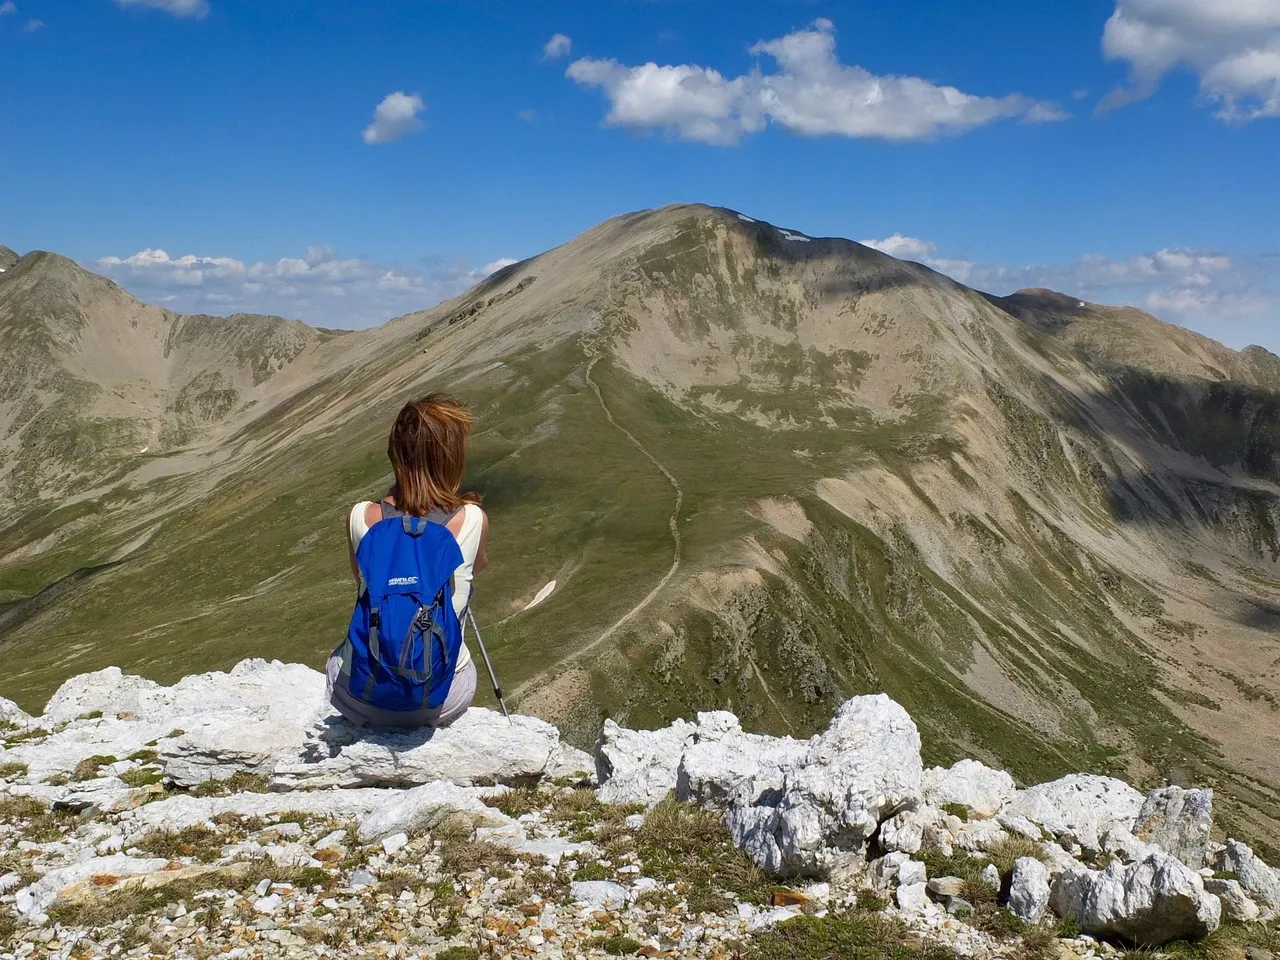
[528,116]
[320,286]
[179,8]
[31,26]
[902,247]
[558,46]
[811,94]
[1232,45]
[1177,284]
[394,117]
[8,7]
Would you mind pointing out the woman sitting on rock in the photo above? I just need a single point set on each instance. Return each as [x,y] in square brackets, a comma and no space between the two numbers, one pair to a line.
[428,451]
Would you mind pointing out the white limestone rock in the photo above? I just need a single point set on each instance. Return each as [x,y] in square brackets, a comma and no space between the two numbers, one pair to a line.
[1177,821]
[244,719]
[179,812]
[1237,907]
[861,770]
[1149,903]
[976,835]
[425,806]
[721,756]
[600,894]
[912,897]
[1029,889]
[102,794]
[569,761]
[1261,881]
[974,785]
[13,715]
[1119,842]
[1020,825]
[1056,859]
[33,900]
[639,766]
[904,832]
[480,745]
[1078,808]
[913,871]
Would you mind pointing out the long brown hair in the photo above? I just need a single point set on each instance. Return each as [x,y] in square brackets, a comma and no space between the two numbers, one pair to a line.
[428,452]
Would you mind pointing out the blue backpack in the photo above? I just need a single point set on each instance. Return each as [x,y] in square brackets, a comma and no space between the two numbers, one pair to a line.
[403,642]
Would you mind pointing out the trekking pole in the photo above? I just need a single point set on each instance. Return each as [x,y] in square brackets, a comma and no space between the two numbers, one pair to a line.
[493,677]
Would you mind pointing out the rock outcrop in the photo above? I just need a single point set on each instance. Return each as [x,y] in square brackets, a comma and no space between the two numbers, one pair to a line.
[1078,809]
[1260,881]
[304,790]
[860,771]
[968,783]
[1029,889]
[1148,903]
[1177,821]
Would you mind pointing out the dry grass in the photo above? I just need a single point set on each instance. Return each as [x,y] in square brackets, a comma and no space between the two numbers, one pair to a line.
[461,852]
[91,767]
[142,777]
[1005,853]
[12,769]
[198,842]
[518,801]
[238,782]
[843,936]
[687,844]
[132,899]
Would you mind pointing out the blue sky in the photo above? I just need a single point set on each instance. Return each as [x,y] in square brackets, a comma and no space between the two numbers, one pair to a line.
[347,162]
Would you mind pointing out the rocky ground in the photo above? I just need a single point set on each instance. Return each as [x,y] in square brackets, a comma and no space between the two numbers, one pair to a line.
[232,814]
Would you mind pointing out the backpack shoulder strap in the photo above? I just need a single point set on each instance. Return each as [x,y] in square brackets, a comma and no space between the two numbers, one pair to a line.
[434,515]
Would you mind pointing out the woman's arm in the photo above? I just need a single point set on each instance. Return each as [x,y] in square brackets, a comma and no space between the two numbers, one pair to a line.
[482,558]
[351,553]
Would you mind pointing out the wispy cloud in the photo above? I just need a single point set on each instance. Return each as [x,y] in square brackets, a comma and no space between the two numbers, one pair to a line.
[810,94]
[394,117]
[178,8]
[1187,286]
[528,116]
[320,287]
[1233,46]
[7,8]
[31,26]
[558,46]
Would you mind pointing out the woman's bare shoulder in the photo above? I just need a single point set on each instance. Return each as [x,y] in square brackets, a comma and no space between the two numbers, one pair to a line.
[366,511]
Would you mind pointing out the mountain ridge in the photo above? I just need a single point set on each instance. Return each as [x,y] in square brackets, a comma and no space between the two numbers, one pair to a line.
[884,480]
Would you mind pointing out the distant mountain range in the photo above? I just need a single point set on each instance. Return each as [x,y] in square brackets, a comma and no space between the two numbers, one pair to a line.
[767,471]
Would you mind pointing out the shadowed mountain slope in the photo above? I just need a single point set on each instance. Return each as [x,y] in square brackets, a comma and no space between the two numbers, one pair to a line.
[767,471]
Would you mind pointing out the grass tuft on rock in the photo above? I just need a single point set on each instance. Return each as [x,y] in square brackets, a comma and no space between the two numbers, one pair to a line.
[12,769]
[142,777]
[843,936]
[239,782]
[133,898]
[685,844]
[90,768]
[461,852]
[616,944]
[1006,852]
[518,801]
[196,841]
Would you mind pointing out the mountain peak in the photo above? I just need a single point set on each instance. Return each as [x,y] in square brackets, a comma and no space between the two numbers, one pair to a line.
[7,257]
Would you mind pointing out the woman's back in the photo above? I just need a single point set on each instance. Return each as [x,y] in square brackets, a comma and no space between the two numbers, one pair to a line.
[467,526]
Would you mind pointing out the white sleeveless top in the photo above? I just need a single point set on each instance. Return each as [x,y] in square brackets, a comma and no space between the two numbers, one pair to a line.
[468,541]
